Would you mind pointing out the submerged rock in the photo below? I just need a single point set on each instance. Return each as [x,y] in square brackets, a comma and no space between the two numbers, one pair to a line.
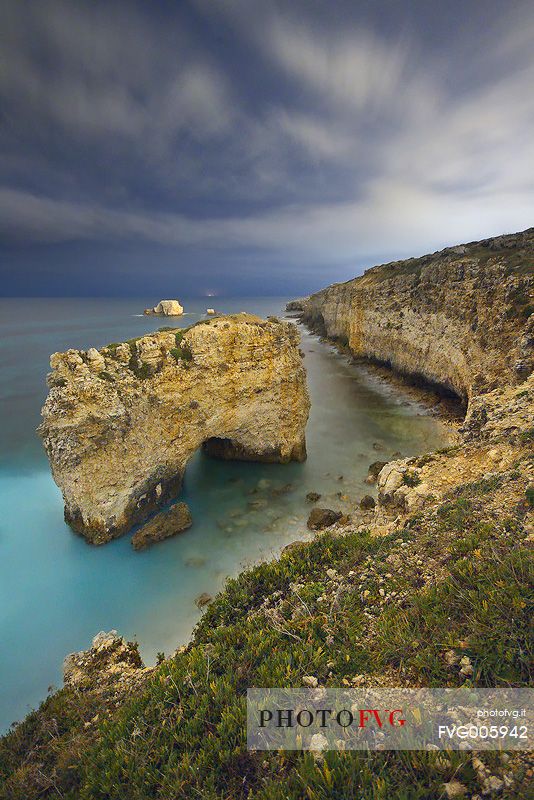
[165,524]
[203,599]
[168,308]
[118,440]
[322,518]
[285,489]
[313,497]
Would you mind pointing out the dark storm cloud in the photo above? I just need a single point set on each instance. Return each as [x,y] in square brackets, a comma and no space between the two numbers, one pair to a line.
[309,135]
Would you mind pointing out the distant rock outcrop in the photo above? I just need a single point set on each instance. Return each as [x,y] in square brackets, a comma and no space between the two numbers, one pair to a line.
[167,308]
[120,424]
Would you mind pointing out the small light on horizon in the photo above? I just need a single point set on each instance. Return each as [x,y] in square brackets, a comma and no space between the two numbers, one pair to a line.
[211,294]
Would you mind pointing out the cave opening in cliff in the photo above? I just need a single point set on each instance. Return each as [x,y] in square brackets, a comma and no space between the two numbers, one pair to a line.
[220,447]
[452,402]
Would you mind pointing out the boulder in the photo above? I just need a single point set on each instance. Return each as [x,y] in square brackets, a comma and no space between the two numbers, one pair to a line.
[322,518]
[109,661]
[391,477]
[367,502]
[167,523]
[374,471]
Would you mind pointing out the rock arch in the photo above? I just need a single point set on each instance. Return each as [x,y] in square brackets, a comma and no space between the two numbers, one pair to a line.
[120,424]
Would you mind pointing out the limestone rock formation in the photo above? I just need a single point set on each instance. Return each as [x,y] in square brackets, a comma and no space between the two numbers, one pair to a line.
[168,308]
[120,424]
[167,523]
[460,318]
[109,660]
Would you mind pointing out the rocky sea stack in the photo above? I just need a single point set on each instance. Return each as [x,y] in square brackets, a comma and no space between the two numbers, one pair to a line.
[166,308]
[120,424]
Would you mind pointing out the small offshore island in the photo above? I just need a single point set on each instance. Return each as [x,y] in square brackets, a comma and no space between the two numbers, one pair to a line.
[434,590]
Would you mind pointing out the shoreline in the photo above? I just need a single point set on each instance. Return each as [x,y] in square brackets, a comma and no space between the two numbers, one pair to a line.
[450,410]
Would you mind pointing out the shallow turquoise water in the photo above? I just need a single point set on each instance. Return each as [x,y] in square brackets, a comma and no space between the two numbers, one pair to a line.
[57,592]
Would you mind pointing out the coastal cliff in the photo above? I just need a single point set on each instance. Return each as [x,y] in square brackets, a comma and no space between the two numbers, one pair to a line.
[462,321]
[435,590]
[120,424]
[460,318]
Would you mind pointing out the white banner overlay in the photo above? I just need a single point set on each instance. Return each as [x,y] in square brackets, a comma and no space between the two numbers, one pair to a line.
[390,719]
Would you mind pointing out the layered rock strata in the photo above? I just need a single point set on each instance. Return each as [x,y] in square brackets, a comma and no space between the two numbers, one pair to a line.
[460,318]
[120,423]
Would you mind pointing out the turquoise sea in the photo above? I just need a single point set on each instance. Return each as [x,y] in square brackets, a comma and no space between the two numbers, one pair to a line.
[57,592]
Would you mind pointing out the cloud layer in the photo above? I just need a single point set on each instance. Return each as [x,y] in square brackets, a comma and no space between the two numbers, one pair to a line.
[282,131]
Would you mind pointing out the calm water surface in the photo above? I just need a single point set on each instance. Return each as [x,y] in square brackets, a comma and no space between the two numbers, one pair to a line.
[57,592]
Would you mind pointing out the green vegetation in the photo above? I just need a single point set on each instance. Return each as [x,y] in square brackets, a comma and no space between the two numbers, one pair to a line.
[140,369]
[411,479]
[528,435]
[112,348]
[106,376]
[184,734]
[182,351]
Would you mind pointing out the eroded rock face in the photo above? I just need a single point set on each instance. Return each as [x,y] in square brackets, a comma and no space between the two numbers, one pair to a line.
[120,424]
[111,665]
[460,318]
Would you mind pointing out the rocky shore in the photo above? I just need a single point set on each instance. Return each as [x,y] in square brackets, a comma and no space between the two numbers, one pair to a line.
[434,589]
[460,322]
[120,423]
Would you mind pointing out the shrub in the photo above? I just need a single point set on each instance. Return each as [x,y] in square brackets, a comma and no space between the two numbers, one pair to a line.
[411,479]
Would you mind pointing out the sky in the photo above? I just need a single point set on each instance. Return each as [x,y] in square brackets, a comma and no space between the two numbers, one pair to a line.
[248,147]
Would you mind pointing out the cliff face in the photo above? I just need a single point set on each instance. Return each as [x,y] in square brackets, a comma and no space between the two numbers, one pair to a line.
[120,424]
[460,318]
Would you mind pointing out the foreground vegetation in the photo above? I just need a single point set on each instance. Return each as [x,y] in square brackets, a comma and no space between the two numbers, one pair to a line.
[451,584]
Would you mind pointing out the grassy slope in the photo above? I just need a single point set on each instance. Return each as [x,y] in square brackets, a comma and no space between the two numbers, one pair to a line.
[462,578]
